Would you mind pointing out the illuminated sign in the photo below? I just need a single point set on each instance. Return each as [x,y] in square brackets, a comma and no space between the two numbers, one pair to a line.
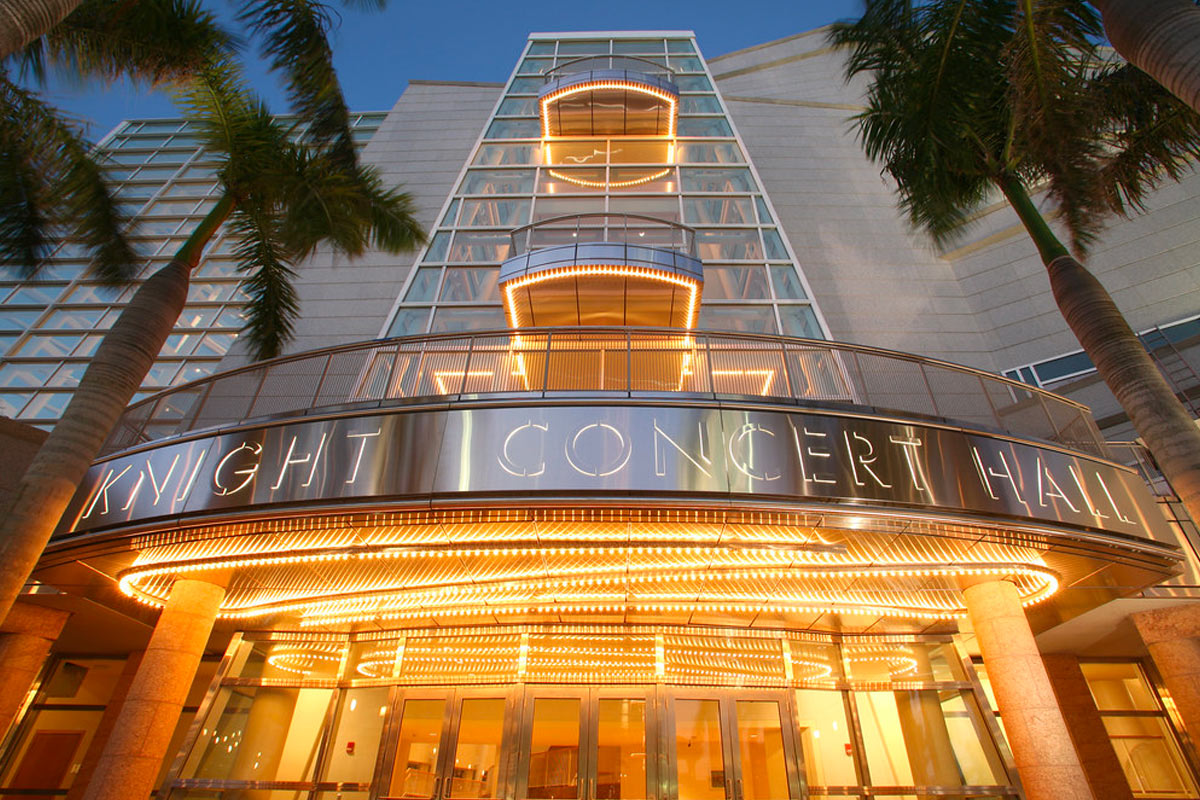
[620,451]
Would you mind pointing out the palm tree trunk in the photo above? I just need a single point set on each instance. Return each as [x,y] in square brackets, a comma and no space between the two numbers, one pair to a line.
[111,379]
[1160,37]
[22,21]
[1122,362]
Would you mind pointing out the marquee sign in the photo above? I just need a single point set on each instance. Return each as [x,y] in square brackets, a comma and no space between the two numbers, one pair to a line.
[616,450]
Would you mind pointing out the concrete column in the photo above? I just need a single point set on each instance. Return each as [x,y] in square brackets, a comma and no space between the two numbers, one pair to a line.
[1170,634]
[108,721]
[139,740]
[1037,733]
[25,639]
[1095,749]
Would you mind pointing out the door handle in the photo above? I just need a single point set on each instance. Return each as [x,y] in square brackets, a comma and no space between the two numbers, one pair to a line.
[740,794]
[437,783]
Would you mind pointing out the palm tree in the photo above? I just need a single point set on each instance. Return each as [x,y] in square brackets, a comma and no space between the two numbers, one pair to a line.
[47,176]
[50,182]
[280,200]
[971,97]
[1161,37]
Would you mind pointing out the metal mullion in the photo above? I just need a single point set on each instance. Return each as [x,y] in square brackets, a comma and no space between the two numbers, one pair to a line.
[988,714]
[324,745]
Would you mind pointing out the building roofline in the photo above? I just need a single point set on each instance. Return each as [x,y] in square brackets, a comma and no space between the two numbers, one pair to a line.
[771,43]
[595,34]
[481,84]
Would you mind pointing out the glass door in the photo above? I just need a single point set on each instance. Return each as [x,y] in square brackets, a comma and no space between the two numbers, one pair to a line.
[588,744]
[731,746]
[449,745]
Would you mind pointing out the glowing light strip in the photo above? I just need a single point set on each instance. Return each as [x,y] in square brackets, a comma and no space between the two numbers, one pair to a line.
[585,183]
[691,284]
[558,95]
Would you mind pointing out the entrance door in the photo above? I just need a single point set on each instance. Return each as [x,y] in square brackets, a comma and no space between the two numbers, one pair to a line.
[449,745]
[593,743]
[731,746]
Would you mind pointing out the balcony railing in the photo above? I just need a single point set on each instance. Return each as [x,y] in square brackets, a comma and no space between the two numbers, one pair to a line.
[650,364]
[628,64]
[631,229]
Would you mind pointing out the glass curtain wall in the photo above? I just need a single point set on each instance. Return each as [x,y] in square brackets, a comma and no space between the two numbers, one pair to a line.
[50,325]
[701,177]
[515,713]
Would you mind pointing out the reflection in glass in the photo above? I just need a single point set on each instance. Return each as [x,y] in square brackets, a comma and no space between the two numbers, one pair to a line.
[621,749]
[1152,764]
[554,748]
[356,731]
[476,770]
[416,751]
[1119,687]
[825,738]
[700,765]
[760,746]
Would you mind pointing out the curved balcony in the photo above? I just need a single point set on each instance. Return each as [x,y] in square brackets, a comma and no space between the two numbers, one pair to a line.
[609,96]
[602,269]
[577,363]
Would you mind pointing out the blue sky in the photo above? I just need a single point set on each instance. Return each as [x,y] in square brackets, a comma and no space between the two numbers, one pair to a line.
[377,53]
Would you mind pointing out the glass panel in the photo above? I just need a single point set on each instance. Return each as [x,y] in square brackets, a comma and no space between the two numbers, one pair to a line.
[745,319]
[1149,757]
[409,321]
[787,283]
[774,245]
[476,771]
[699,104]
[708,153]
[22,375]
[825,738]
[718,210]
[760,747]
[514,129]
[655,151]
[526,85]
[800,321]
[554,748]
[699,762]
[355,740]
[46,405]
[704,126]
[693,83]
[711,179]
[496,155]
[437,248]
[621,749]
[575,152]
[642,47]
[679,46]
[735,283]
[475,247]
[489,213]
[497,181]
[517,107]
[468,319]
[477,284]
[264,733]
[424,285]
[416,752]
[451,214]
[1119,687]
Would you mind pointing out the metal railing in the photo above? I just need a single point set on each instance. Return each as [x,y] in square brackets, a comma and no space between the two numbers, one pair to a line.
[634,229]
[556,363]
[624,63]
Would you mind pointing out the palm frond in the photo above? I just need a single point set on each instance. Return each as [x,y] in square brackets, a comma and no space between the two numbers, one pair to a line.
[294,41]
[273,305]
[346,209]
[50,186]
[935,117]
[1049,60]
[1149,135]
[236,127]
[151,40]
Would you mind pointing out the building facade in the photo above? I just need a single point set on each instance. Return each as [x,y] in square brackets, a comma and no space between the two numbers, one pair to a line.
[614,491]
